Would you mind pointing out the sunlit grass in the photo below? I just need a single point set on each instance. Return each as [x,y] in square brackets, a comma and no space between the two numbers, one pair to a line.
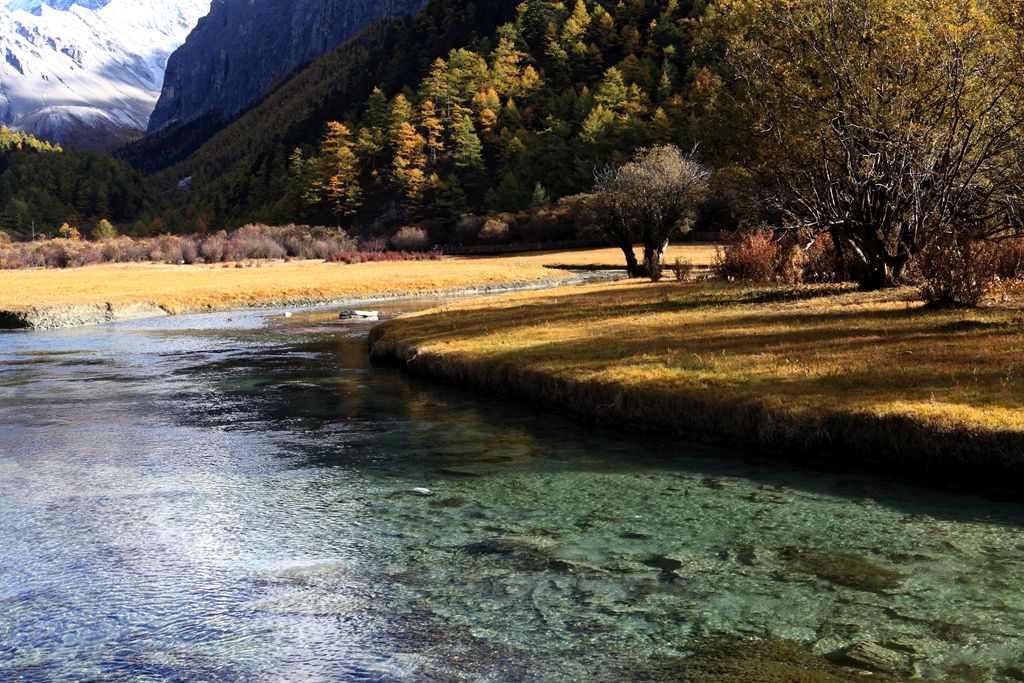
[807,354]
[193,288]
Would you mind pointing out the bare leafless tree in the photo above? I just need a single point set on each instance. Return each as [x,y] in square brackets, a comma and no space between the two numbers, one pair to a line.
[609,210]
[649,200]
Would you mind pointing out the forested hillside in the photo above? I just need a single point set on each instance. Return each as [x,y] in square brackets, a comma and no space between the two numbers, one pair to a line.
[43,186]
[241,173]
[468,107]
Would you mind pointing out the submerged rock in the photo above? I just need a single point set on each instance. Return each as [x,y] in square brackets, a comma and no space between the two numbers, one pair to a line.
[748,555]
[683,565]
[722,660]
[450,502]
[418,491]
[873,657]
[459,472]
[842,569]
[522,552]
[665,563]
[628,567]
[1014,673]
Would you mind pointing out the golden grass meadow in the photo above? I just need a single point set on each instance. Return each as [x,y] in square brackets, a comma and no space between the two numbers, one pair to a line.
[183,289]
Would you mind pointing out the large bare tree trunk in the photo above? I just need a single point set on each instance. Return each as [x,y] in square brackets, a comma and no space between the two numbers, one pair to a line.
[654,258]
[633,268]
[875,267]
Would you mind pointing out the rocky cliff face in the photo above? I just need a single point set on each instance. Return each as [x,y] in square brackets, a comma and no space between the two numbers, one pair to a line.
[243,48]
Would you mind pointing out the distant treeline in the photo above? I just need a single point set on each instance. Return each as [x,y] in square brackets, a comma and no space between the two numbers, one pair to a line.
[43,186]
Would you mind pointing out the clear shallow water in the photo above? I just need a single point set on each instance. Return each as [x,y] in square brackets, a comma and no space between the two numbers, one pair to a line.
[230,497]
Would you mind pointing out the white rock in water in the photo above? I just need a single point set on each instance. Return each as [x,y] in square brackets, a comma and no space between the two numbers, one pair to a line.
[421,492]
[287,314]
[364,315]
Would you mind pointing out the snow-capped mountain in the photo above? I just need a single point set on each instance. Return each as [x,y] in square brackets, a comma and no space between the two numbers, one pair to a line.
[88,72]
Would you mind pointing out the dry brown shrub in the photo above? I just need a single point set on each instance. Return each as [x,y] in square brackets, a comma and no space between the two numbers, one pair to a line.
[410,238]
[751,256]
[494,230]
[957,272]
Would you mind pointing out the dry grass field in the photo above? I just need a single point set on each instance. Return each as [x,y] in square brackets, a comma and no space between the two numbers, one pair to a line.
[823,367]
[180,289]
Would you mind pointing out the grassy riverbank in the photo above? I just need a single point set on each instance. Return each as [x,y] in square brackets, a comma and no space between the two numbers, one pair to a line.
[138,289]
[819,372]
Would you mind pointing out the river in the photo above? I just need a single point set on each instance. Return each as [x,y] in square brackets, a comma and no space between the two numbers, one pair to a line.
[243,497]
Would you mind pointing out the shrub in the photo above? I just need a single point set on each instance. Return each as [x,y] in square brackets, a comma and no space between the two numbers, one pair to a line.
[957,272]
[822,263]
[135,251]
[318,249]
[85,255]
[1010,259]
[374,244]
[467,229]
[494,230]
[792,262]
[66,253]
[189,250]
[104,230]
[264,247]
[212,248]
[249,242]
[351,257]
[166,249]
[410,238]
[682,269]
[11,259]
[111,250]
[5,238]
[753,256]
[304,242]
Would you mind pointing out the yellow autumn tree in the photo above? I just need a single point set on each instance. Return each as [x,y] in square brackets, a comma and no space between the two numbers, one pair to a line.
[433,129]
[69,232]
[339,171]
[410,162]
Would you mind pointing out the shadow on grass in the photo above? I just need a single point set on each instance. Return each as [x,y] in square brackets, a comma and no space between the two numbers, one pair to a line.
[718,320]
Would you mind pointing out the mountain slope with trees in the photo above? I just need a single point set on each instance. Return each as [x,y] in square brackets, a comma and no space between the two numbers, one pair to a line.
[43,186]
[467,107]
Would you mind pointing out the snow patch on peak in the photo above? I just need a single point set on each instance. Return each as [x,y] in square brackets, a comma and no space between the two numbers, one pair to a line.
[36,6]
[88,72]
